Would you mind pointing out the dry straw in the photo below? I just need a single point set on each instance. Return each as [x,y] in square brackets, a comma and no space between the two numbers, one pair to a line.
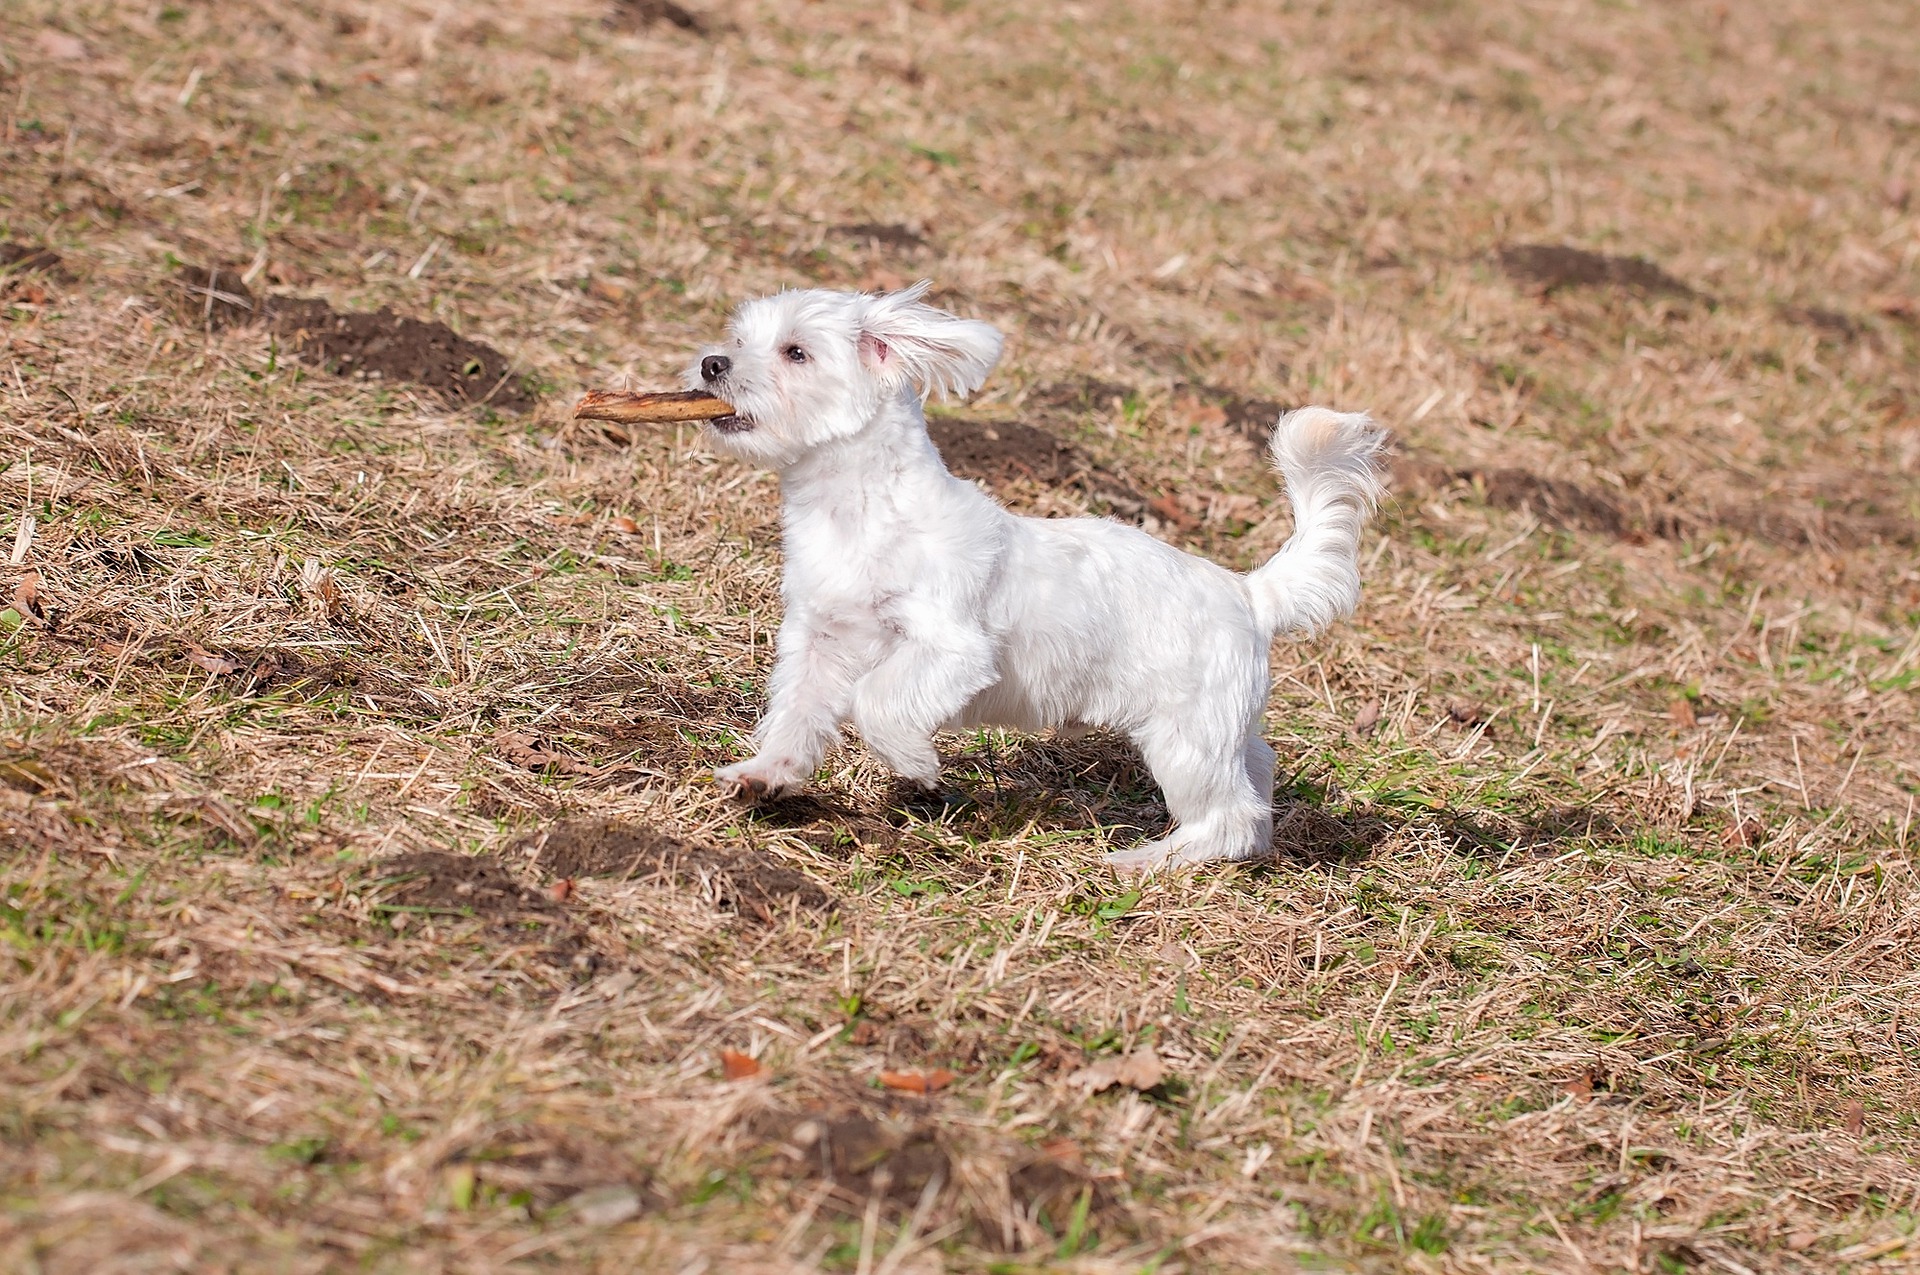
[363,906]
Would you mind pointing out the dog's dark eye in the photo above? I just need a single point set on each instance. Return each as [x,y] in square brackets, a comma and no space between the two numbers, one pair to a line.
[795,354]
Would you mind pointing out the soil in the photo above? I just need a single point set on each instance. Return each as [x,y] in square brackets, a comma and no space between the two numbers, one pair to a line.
[552,1165]
[215,298]
[638,15]
[751,883]
[20,258]
[1831,324]
[1251,418]
[884,235]
[386,346]
[1553,266]
[1789,523]
[885,1146]
[475,883]
[380,345]
[1003,454]
[480,886]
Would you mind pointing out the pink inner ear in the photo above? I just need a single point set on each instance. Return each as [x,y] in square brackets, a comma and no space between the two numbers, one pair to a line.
[877,349]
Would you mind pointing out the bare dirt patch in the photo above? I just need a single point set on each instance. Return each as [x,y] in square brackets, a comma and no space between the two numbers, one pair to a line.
[639,15]
[1550,267]
[1788,522]
[888,236]
[750,883]
[19,258]
[1007,454]
[1668,1027]
[553,1167]
[1832,325]
[437,884]
[375,346]
[869,1149]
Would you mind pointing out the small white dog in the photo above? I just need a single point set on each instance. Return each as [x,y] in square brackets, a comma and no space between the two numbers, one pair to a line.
[915,603]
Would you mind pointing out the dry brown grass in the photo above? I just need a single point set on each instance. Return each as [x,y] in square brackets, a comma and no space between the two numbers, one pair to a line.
[362,904]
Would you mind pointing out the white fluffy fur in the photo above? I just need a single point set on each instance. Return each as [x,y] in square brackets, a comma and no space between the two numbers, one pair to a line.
[916,603]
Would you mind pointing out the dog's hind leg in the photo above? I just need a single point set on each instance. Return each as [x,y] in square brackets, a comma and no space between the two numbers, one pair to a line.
[1219,791]
[919,687]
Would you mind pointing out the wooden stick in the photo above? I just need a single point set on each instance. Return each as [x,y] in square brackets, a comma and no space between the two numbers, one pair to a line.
[651,409]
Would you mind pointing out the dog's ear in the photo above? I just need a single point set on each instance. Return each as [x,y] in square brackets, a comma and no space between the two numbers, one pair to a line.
[902,339]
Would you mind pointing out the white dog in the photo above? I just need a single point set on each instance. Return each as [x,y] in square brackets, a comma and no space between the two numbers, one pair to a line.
[915,603]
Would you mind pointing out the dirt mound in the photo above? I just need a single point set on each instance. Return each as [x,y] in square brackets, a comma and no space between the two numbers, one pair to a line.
[1793,524]
[1830,324]
[748,882]
[1553,266]
[1004,454]
[554,1166]
[379,345]
[215,298]
[478,884]
[889,235]
[638,15]
[19,258]
[870,1149]
[443,885]
[386,346]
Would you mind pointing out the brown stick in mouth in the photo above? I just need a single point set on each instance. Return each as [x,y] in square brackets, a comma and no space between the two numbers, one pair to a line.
[651,409]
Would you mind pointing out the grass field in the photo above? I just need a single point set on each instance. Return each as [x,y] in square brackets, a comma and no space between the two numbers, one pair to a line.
[364,906]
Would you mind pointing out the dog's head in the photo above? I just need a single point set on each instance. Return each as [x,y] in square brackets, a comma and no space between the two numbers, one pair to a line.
[805,368]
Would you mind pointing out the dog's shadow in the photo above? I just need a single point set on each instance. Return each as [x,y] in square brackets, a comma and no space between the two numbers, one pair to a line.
[1003,785]
[1064,782]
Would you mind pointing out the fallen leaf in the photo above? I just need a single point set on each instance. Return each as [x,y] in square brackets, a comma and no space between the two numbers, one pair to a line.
[1368,718]
[571,520]
[626,524]
[1195,412]
[1141,1069]
[1855,1118]
[23,539]
[26,596]
[322,589]
[917,1081]
[606,290]
[1466,712]
[1680,713]
[1801,1241]
[562,890]
[529,753]
[1170,510]
[735,1065]
[1580,1086]
[219,665]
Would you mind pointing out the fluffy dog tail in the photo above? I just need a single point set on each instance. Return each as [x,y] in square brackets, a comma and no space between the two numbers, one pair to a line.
[1331,463]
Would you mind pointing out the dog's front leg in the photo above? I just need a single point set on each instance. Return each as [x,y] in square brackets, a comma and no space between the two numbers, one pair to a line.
[808,696]
[922,684]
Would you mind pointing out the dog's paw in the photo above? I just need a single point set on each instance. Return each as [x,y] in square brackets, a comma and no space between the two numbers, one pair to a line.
[1141,860]
[1165,855]
[756,780]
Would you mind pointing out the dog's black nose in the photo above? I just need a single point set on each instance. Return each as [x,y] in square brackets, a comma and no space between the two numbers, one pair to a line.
[714,366]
